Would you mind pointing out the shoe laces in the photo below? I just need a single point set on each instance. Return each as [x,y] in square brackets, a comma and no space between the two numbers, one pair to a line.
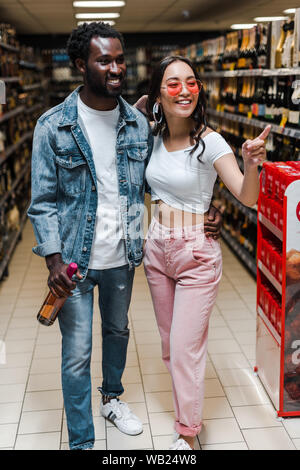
[120,409]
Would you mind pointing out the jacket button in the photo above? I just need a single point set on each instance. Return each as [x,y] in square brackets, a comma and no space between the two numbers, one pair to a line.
[89,218]
[93,188]
[84,248]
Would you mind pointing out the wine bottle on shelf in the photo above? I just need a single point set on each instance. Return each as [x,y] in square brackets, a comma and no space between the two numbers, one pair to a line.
[262,52]
[52,305]
[294,105]
[241,62]
[287,49]
[279,48]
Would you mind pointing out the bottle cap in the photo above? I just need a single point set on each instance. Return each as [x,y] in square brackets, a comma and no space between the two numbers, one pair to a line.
[72,268]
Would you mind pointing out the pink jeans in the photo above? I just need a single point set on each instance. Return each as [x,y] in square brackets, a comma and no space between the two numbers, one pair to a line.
[183,270]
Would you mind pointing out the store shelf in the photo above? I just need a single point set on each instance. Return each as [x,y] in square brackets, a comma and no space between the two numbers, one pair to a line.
[16,183]
[269,325]
[68,80]
[11,244]
[270,276]
[8,47]
[290,132]
[240,251]
[251,73]
[250,213]
[30,65]
[12,113]
[10,79]
[34,108]
[10,150]
[275,230]
[35,86]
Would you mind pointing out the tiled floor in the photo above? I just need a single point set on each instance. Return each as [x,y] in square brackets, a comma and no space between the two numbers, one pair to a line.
[237,412]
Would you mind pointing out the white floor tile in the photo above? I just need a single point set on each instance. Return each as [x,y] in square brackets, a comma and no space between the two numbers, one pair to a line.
[229,361]
[12,393]
[157,383]
[292,426]
[159,402]
[161,424]
[233,446]
[220,431]
[44,441]
[246,395]
[214,408]
[10,412]
[268,439]
[258,416]
[40,421]
[46,400]
[119,441]
[8,434]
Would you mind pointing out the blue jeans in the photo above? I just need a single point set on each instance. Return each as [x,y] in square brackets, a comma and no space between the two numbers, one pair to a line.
[75,321]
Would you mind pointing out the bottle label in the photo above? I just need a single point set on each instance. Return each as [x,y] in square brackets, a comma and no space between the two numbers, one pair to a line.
[294,117]
[47,311]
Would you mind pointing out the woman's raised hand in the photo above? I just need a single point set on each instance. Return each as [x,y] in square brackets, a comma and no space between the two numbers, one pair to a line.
[254,151]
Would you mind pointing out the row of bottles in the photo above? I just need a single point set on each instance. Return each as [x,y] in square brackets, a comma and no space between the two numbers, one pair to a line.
[279,147]
[237,223]
[11,213]
[265,45]
[12,168]
[274,99]
[21,63]
[12,130]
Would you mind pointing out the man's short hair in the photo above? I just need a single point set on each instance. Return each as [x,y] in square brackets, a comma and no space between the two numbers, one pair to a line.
[78,45]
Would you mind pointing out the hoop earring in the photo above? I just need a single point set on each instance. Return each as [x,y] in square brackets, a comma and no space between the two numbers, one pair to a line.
[157,110]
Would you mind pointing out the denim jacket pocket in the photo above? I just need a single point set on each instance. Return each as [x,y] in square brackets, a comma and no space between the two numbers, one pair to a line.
[137,155]
[71,171]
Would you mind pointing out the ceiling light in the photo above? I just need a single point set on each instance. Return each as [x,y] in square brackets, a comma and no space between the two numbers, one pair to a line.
[110,22]
[98,4]
[289,11]
[243,26]
[270,18]
[100,16]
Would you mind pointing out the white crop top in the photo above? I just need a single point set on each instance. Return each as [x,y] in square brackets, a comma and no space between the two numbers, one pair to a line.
[179,179]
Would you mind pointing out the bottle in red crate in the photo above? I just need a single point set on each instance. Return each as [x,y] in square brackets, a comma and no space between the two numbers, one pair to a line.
[52,305]
[295,165]
[287,177]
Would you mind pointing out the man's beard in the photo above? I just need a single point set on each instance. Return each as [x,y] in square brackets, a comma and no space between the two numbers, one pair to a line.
[98,89]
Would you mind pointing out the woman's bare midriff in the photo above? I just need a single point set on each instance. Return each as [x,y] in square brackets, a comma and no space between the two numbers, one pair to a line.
[172,217]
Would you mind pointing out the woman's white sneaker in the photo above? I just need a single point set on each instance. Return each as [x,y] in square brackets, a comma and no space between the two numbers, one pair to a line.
[121,416]
[180,444]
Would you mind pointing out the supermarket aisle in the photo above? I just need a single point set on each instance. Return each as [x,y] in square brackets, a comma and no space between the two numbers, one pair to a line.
[237,411]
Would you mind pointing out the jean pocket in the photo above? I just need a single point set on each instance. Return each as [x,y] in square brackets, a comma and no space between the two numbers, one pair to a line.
[136,163]
[71,171]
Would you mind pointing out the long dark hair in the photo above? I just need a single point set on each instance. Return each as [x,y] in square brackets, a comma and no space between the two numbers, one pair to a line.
[198,114]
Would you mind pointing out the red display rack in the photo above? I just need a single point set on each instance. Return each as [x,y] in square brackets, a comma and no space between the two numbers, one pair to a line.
[278,285]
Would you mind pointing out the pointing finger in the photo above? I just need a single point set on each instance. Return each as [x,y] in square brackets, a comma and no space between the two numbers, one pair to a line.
[265,132]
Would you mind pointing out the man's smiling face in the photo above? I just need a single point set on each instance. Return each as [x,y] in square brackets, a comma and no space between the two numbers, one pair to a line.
[105,68]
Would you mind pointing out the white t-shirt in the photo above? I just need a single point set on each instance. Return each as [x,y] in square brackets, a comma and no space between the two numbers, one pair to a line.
[108,248]
[179,179]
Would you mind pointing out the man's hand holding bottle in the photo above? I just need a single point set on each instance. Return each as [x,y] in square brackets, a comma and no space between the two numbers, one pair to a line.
[59,282]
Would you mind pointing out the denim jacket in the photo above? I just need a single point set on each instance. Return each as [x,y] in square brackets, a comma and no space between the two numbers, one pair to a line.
[64,185]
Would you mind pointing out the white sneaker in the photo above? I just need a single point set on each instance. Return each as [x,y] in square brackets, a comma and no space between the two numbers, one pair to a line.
[180,444]
[120,415]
